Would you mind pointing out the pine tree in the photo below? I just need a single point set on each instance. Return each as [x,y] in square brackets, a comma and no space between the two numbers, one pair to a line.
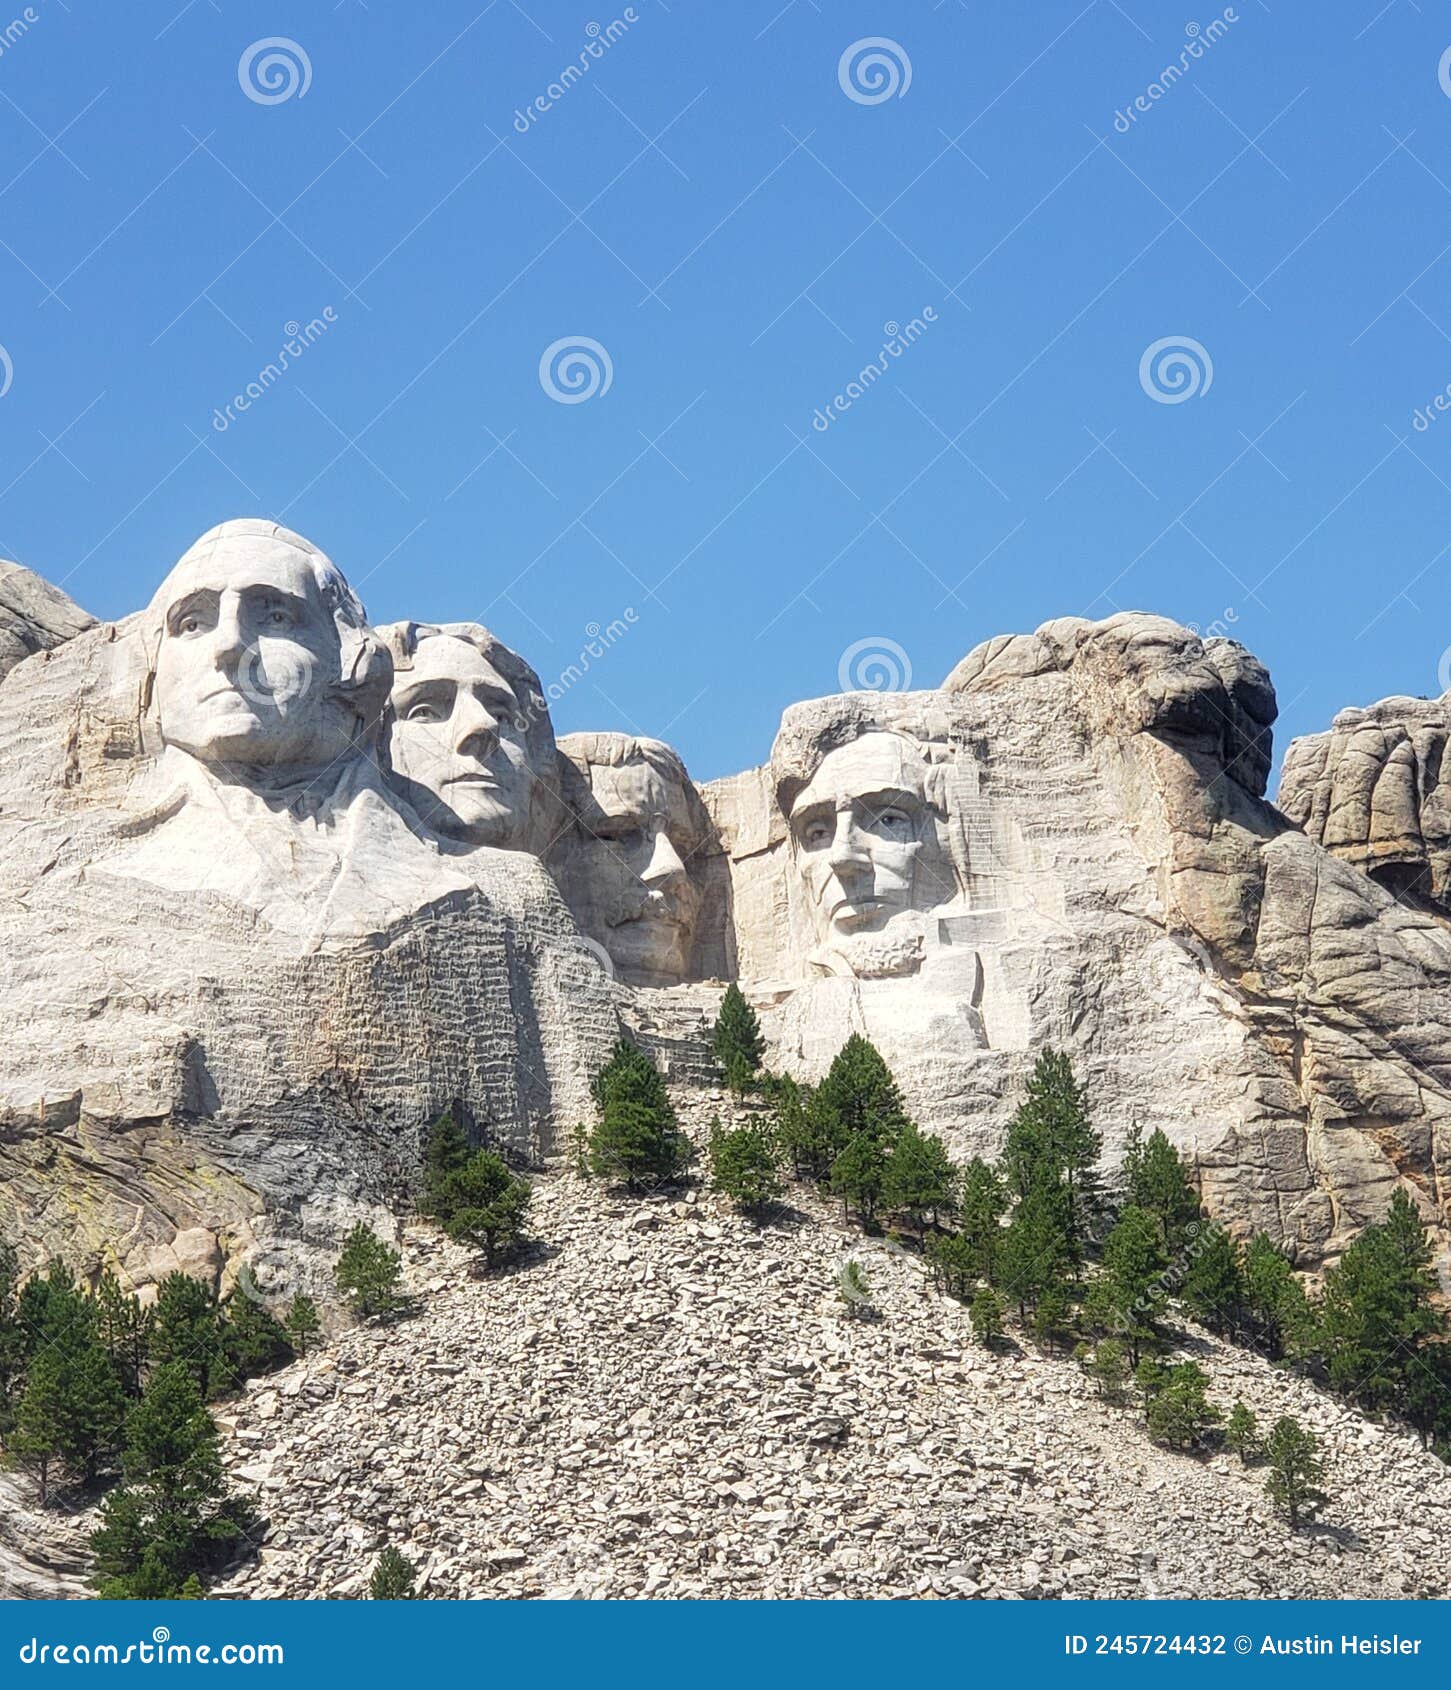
[1179,1413]
[1426,1397]
[1053,1319]
[445,1149]
[1295,1471]
[187,1328]
[71,1410]
[124,1328]
[1277,1306]
[369,1274]
[858,1176]
[486,1203]
[1128,1295]
[1241,1433]
[174,1519]
[736,1041]
[855,1290]
[986,1315]
[981,1207]
[1034,1255]
[920,1179]
[393,1578]
[1051,1139]
[637,1141]
[1158,1182]
[1107,1364]
[304,1327]
[859,1096]
[12,1342]
[953,1263]
[1213,1290]
[744,1166]
[253,1341]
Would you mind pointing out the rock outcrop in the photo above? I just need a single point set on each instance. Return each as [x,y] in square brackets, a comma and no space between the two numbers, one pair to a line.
[34,616]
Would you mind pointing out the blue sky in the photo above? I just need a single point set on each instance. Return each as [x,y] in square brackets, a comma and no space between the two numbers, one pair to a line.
[710,205]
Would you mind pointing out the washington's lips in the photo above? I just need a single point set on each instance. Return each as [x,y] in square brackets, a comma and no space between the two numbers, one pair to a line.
[477,778]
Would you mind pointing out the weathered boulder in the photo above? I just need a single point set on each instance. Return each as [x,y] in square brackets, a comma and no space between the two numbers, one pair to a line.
[34,616]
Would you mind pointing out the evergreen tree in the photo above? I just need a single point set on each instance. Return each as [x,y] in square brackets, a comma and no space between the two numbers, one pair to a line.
[1158,1182]
[744,1166]
[736,1041]
[174,1519]
[369,1274]
[953,1263]
[810,1156]
[986,1315]
[855,1290]
[859,1097]
[1053,1319]
[637,1141]
[858,1176]
[12,1342]
[393,1578]
[1107,1364]
[1295,1471]
[71,1410]
[1213,1290]
[304,1327]
[253,1341]
[123,1327]
[1128,1296]
[1051,1139]
[187,1328]
[1426,1397]
[981,1207]
[1034,1255]
[1278,1309]
[1179,1413]
[1241,1433]
[1376,1312]
[920,1180]
[485,1203]
[445,1150]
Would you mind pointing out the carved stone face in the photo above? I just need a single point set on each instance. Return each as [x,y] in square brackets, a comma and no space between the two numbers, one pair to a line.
[458,735]
[858,830]
[633,866]
[249,659]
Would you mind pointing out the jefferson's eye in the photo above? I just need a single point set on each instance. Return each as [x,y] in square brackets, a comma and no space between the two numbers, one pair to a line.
[815,835]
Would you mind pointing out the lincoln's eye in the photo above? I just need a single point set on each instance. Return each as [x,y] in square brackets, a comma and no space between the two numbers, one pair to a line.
[895,820]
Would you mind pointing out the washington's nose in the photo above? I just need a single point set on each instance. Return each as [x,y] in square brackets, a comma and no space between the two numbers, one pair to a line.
[228,641]
[665,862]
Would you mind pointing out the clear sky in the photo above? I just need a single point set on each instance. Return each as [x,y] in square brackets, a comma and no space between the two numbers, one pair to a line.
[734,206]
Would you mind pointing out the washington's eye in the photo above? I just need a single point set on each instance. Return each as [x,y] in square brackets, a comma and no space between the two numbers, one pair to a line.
[189,625]
[277,618]
[421,713]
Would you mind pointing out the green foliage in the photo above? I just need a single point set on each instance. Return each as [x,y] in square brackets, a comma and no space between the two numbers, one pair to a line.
[637,1141]
[369,1274]
[1157,1181]
[12,1338]
[304,1327]
[855,1290]
[858,1175]
[1295,1471]
[1278,1309]
[72,1407]
[174,1520]
[736,1041]
[920,1181]
[1034,1255]
[1128,1296]
[445,1150]
[1213,1289]
[484,1203]
[1242,1433]
[953,1262]
[1107,1364]
[1052,1323]
[393,1578]
[807,1131]
[744,1165]
[859,1098]
[1426,1397]
[124,1328]
[253,1341]
[1051,1143]
[986,1315]
[982,1203]
[187,1328]
[1179,1413]
[1376,1313]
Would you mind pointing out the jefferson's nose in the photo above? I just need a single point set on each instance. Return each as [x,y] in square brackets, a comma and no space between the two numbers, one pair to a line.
[476,728]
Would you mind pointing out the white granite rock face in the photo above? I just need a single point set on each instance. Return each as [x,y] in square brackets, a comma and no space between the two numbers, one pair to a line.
[34,616]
